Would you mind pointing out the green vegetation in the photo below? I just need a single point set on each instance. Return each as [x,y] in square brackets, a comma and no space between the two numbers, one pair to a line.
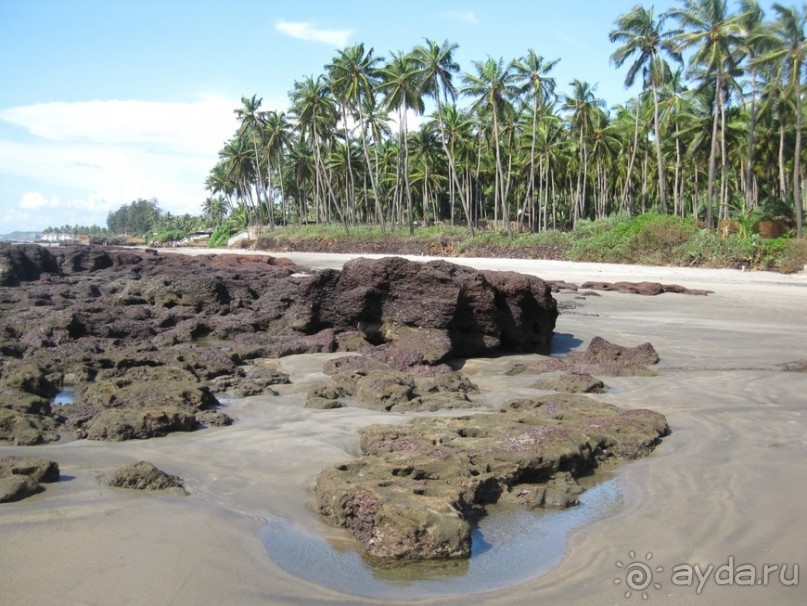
[715,134]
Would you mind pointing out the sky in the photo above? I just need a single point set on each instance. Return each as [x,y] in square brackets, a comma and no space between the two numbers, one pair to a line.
[106,101]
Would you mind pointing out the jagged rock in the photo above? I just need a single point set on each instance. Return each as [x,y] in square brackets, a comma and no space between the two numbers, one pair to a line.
[148,387]
[41,470]
[15,488]
[119,425]
[213,418]
[388,390]
[27,429]
[145,476]
[476,312]
[320,403]
[417,488]
[571,383]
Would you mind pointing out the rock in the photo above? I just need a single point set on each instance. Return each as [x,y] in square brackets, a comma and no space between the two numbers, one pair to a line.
[475,312]
[37,468]
[148,387]
[571,383]
[25,263]
[417,488]
[119,425]
[319,403]
[603,357]
[643,288]
[17,487]
[797,366]
[213,418]
[27,429]
[145,476]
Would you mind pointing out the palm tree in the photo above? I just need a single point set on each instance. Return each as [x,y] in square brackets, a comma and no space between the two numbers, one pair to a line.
[353,73]
[643,36]
[316,115]
[252,121]
[277,137]
[435,68]
[755,43]
[789,45]
[582,104]
[714,34]
[492,86]
[400,84]
[532,72]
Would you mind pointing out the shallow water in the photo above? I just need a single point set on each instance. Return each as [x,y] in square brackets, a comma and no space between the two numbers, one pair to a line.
[509,546]
[64,397]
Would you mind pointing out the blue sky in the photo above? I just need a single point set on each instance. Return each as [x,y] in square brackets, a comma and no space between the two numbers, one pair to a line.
[106,101]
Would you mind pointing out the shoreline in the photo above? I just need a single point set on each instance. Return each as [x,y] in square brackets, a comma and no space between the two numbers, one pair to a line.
[704,495]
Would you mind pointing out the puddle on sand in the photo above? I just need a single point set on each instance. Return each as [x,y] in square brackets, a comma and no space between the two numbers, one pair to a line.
[509,546]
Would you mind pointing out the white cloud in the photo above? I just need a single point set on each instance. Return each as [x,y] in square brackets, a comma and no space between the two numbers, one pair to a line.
[467,17]
[302,30]
[84,159]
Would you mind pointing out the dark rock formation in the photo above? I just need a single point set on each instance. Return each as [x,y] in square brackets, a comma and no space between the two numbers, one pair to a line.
[145,476]
[416,489]
[131,331]
[466,312]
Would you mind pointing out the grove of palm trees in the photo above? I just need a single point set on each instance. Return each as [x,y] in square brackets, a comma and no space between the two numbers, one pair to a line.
[714,137]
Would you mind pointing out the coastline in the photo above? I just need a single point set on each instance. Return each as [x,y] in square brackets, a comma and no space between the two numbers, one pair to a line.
[704,495]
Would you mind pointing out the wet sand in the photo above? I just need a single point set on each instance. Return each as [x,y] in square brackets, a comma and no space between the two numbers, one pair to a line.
[731,480]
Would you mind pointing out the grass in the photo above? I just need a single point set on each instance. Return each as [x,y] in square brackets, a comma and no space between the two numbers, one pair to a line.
[648,239]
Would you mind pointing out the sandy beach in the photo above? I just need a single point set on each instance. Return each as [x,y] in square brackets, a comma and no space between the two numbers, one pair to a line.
[727,486]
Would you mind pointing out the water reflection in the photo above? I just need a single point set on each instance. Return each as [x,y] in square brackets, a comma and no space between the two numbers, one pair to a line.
[509,546]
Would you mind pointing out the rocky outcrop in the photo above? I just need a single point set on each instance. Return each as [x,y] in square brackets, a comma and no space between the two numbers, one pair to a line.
[571,382]
[378,387]
[145,476]
[648,289]
[464,312]
[128,331]
[601,357]
[416,489]
[117,425]
[21,477]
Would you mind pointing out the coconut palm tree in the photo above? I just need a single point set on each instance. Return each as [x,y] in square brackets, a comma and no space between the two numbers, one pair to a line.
[435,68]
[789,45]
[353,73]
[277,138]
[251,128]
[582,104]
[315,113]
[532,75]
[492,87]
[754,45]
[643,37]
[402,89]
[714,34]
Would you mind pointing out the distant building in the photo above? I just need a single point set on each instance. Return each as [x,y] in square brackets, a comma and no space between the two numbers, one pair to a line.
[58,237]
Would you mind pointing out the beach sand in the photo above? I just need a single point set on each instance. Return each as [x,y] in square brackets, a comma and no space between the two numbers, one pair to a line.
[730,481]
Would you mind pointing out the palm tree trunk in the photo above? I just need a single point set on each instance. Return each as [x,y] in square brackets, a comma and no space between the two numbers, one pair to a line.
[662,185]
[782,179]
[632,154]
[797,155]
[713,152]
